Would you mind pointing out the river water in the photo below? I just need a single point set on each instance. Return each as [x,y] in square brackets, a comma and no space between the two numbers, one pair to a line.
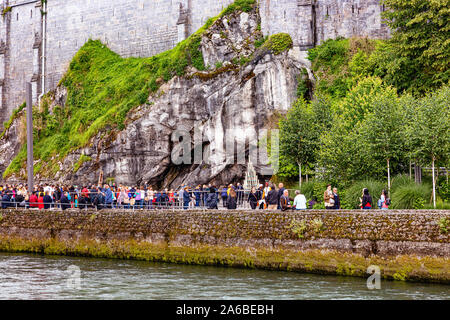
[26,276]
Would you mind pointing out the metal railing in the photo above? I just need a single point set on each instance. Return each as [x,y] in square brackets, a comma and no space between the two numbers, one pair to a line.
[86,200]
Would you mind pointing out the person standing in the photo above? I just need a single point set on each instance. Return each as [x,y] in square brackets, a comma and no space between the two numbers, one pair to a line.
[41,200]
[232,199]
[253,198]
[285,202]
[384,201]
[197,195]
[366,201]
[47,200]
[34,200]
[212,198]
[260,197]
[337,200]
[299,201]
[266,191]
[280,194]
[328,198]
[65,202]
[108,197]
[224,196]
[272,198]
[6,200]
[186,198]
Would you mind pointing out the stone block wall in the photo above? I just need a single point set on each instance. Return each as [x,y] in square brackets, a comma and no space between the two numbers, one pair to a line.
[376,233]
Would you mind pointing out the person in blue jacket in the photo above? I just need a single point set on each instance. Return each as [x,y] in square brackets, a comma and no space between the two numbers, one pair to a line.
[186,198]
[108,197]
[224,196]
[198,195]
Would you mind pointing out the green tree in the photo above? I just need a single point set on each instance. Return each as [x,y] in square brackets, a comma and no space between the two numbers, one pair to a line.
[432,130]
[418,54]
[383,132]
[345,153]
[300,131]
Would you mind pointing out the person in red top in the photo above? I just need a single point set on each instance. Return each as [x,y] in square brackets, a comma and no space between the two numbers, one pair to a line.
[85,192]
[41,201]
[34,200]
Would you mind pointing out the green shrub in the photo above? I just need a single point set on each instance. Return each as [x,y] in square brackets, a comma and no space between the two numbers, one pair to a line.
[411,196]
[310,189]
[444,224]
[350,198]
[443,189]
[401,180]
[440,205]
[279,43]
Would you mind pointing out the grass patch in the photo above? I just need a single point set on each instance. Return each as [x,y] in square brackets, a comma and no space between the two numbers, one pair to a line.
[411,196]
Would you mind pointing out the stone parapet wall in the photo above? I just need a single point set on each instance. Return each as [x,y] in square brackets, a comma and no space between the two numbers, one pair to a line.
[377,232]
[404,245]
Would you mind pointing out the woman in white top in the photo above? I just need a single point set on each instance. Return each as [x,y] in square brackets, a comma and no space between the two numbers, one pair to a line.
[299,201]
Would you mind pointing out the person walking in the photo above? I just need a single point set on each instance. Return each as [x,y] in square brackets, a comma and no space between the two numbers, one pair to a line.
[299,201]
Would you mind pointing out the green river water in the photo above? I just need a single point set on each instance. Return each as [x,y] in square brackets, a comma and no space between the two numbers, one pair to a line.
[26,276]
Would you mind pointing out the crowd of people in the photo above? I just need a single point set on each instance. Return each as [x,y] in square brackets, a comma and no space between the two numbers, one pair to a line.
[50,196]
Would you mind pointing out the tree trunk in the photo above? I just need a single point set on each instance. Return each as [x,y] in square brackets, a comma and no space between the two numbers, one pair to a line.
[410,169]
[389,176]
[300,174]
[306,177]
[434,184]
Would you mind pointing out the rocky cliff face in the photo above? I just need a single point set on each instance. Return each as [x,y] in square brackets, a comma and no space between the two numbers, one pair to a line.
[235,98]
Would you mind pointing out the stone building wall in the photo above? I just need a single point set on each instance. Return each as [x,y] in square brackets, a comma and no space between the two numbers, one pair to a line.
[310,22]
[146,27]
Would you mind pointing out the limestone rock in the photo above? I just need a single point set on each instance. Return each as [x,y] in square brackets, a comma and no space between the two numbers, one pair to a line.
[221,105]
